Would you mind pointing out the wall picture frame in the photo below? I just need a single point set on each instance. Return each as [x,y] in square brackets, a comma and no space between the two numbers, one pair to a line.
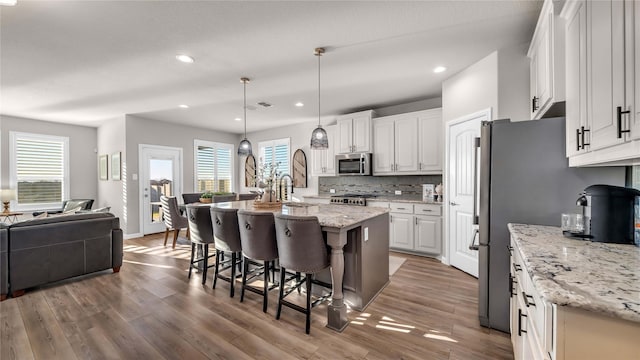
[103,167]
[116,166]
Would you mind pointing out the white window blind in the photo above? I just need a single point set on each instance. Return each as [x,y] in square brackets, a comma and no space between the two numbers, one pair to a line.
[213,167]
[39,170]
[276,151]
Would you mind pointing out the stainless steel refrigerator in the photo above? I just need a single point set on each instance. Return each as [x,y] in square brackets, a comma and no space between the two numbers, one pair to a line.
[524,178]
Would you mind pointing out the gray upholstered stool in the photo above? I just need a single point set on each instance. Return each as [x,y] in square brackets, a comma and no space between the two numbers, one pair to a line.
[227,240]
[258,238]
[172,218]
[202,235]
[301,248]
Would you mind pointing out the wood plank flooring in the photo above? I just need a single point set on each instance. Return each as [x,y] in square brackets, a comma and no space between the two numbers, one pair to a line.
[150,310]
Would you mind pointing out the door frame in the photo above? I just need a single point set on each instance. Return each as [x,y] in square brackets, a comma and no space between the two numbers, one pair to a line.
[141,164]
[446,208]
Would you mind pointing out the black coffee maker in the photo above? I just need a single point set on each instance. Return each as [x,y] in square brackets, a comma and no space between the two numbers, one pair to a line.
[608,213]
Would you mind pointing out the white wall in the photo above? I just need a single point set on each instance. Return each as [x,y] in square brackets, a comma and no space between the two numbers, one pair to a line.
[83,168]
[111,139]
[513,83]
[144,131]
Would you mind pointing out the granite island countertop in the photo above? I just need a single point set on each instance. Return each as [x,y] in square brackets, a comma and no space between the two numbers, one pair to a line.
[593,276]
[415,199]
[335,216]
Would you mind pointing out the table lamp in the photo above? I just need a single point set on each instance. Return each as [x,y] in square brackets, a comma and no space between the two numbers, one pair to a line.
[7,195]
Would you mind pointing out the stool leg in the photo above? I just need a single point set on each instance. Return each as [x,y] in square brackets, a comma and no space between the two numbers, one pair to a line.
[166,236]
[233,275]
[206,258]
[215,274]
[193,250]
[280,293]
[298,280]
[245,268]
[308,325]
[265,300]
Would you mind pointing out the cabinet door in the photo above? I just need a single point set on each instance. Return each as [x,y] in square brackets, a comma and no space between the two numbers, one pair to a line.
[605,74]
[345,136]
[362,133]
[633,8]
[330,153]
[401,231]
[544,73]
[576,76]
[533,81]
[383,149]
[406,144]
[430,144]
[318,162]
[428,234]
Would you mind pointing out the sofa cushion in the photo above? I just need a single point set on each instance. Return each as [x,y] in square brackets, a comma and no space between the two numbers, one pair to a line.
[72,204]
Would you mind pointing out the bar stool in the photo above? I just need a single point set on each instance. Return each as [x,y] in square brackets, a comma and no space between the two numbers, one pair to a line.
[172,218]
[226,236]
[301,248]
[258,238]
[202,235]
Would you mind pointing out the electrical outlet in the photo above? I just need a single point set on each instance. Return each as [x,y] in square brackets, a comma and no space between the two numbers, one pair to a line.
[398,192]
[332,191]
[366,233]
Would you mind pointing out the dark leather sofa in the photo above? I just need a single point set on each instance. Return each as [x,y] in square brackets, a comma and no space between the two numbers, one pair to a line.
[42,251]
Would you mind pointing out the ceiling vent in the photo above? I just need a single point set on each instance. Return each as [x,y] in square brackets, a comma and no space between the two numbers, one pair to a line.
[265,105]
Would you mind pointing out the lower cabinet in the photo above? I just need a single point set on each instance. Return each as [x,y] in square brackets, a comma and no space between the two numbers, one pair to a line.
[411,231]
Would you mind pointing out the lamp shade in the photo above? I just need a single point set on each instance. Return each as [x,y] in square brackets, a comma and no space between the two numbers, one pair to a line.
[319,139]
[244,148]
[7,195]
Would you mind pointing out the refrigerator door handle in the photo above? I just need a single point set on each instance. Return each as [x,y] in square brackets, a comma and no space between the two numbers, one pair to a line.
[473,246]
[476,182]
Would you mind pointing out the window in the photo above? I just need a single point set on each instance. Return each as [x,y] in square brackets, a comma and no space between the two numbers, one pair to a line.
[213,166]
[275,151]
[39,170]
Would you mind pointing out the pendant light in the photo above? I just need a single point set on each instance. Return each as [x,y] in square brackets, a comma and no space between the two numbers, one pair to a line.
[244,149]
[319,140]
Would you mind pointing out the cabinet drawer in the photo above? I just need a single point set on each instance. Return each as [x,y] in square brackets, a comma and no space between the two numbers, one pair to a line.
[428,209]
[404,208]
[535,306]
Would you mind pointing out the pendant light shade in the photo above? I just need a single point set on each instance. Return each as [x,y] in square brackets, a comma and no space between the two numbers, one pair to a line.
[319,139]
[244,148]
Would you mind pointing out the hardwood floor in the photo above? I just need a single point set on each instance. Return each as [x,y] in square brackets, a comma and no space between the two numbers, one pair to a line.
[150,310]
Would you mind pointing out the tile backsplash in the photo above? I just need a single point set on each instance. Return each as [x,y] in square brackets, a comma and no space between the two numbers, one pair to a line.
[379,185]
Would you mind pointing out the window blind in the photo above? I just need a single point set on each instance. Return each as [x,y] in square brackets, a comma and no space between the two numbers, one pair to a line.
[276,151]
[214,166]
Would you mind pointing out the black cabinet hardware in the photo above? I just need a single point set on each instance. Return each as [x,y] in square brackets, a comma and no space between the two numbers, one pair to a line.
[620,112]
[520,316]
[582,131]
[527,301]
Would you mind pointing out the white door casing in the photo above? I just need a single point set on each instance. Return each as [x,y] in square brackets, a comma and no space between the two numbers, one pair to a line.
[157,162]
[460,190]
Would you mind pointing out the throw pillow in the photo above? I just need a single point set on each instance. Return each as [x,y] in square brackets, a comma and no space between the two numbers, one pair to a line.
[72,204]
[41,216]
[105,209]
[72,211]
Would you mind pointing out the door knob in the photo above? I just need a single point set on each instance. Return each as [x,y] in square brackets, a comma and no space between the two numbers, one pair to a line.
[453,203]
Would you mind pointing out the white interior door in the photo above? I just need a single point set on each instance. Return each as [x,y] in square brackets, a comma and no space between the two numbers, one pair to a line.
[160,174]
[460,190]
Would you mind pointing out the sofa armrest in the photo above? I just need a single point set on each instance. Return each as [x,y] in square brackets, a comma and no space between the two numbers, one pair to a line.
[4,260]
[117,248]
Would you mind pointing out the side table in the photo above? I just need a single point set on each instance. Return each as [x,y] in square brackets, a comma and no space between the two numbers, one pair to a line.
[9,217]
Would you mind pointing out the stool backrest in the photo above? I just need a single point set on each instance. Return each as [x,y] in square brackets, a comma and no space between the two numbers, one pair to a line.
[200,224]
[301,246]
[258,235]
[190,198]
[170,212]
[225,229]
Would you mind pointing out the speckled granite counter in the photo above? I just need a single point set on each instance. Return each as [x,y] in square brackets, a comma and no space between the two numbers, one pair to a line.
[397,198]
[598,277]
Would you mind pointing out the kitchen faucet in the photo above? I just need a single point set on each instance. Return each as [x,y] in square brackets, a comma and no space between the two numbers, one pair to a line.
[282,177]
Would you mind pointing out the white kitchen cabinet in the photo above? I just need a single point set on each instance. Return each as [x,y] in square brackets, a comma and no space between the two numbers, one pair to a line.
[546,56]
[408,143]
[323,161]
[416,228]
[601,107]
[428,234]
[401,231]
[354,132]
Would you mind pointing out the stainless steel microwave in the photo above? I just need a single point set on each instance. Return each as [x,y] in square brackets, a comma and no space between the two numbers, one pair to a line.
[353,164]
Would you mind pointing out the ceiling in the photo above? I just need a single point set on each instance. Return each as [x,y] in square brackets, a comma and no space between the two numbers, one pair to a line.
[84,62]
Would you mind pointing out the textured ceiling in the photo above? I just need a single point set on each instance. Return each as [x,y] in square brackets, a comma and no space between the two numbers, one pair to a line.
[84,62]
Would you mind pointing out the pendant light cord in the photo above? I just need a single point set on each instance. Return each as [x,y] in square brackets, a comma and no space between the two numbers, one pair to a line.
[244,81]
[319,55]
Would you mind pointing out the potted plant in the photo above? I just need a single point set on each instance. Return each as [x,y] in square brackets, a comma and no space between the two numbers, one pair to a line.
[206,197]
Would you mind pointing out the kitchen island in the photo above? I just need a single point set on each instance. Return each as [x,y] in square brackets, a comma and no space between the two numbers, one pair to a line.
[359,241]
[573,299]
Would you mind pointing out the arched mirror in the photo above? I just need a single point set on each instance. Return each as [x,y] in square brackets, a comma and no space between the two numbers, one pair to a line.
[299,169]
[250,171]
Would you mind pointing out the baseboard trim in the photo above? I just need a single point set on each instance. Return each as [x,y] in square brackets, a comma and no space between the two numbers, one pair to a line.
[131,236]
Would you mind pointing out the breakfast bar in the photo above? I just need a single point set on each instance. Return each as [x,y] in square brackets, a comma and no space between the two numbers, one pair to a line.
[359,241]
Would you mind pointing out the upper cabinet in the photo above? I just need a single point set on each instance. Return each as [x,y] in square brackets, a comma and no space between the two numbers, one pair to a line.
[602,82]
[408,143]
[546,55]
[354,132]
[323,161]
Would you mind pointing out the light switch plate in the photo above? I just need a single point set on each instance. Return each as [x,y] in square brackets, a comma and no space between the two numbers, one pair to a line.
[134,177]
[332,191]
[366,233]
[398,192]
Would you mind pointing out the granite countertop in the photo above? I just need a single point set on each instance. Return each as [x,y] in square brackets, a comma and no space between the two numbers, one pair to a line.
[415,199]
[593,276]
[335,216]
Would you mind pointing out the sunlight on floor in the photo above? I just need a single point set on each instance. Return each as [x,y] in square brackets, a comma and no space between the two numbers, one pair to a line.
[180,252]
[147,264]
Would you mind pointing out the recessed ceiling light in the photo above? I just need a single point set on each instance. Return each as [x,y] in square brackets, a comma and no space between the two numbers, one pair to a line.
[183,106]
[299,104]
[237,119]
[185,58]
[439,69]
